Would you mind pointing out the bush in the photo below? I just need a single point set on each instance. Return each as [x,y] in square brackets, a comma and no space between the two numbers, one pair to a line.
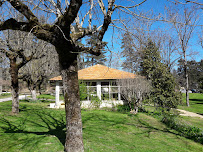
[82,90]
[95,102]
[123,108]
[185,130]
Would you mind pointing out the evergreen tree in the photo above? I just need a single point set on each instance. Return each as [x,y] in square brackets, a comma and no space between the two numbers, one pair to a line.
[150,59]
[163,92]
[89,59]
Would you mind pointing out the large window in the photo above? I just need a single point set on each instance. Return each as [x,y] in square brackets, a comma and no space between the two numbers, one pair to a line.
[104,90]
[91,89]
[109,91]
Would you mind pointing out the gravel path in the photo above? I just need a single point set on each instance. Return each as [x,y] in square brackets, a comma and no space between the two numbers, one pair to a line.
[187,113]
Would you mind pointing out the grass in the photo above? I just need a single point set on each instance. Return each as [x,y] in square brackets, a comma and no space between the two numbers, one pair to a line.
[5,95]
[48,96]
[196,103]
[38,128]
[193,121]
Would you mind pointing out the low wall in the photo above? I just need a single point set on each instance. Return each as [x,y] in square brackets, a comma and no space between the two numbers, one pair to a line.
[104,103]
[88,104]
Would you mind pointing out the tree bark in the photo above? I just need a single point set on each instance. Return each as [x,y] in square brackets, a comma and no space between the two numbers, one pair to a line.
[34,95]
[187,91]
[14,86]
[69,72]
[186,78]
[1,81]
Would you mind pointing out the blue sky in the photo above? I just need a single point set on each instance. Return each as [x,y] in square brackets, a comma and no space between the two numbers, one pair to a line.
[158,7]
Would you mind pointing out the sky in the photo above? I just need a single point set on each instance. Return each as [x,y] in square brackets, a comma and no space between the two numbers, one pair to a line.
[113,36]
[157,6]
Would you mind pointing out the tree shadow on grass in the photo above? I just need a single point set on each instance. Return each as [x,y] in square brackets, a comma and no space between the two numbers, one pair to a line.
[150,128]
[197,101]
[48,123]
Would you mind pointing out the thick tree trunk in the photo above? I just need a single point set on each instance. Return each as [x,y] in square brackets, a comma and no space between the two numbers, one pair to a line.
[14,86]
[69,71]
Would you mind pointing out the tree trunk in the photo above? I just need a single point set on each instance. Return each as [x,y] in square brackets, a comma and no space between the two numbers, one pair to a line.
[14,86]
[186,78]
[34,95]
[69,71]
[187,91]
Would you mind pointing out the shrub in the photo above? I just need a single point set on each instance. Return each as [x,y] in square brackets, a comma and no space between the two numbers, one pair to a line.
[123,108]
[95,102]
[185,130]
[82,90]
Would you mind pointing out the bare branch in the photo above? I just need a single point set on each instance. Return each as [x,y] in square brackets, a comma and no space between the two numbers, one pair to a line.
[70,15]
[14,25]
[103,9]
[107,20]
[117,6]
[186,2]
[22,8]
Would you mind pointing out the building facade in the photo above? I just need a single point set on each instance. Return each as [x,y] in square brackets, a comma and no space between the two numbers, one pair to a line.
[100,81]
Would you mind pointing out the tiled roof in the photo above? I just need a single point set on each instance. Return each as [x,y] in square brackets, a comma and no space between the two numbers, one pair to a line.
[100,72]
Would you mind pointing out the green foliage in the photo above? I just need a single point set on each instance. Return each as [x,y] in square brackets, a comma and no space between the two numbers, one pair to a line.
[151,59]
[163,92]
[95,101]
[123,108]
[195,74]
[86,59]
[82,90]
[187,131]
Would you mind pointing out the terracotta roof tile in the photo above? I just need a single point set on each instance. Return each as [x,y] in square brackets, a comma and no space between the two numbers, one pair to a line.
[100,72]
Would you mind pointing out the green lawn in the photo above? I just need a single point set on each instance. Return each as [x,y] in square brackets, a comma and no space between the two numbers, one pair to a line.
[48,96]
[196,103]
[38,128]
[5,95]
[193,121]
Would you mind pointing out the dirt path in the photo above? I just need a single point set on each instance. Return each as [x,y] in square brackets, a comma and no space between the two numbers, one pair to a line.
[187,113]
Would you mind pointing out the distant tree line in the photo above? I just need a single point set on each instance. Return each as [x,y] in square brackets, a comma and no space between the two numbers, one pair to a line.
[195,74]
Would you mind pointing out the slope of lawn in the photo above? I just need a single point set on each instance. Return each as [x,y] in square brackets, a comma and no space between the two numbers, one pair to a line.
[196,103]
[38,129]
[193,121]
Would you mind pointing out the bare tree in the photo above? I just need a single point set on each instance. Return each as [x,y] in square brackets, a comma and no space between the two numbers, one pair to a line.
[133,91]
[18,56]
[169,48]
[74,20]
[36,72]
[184,25]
